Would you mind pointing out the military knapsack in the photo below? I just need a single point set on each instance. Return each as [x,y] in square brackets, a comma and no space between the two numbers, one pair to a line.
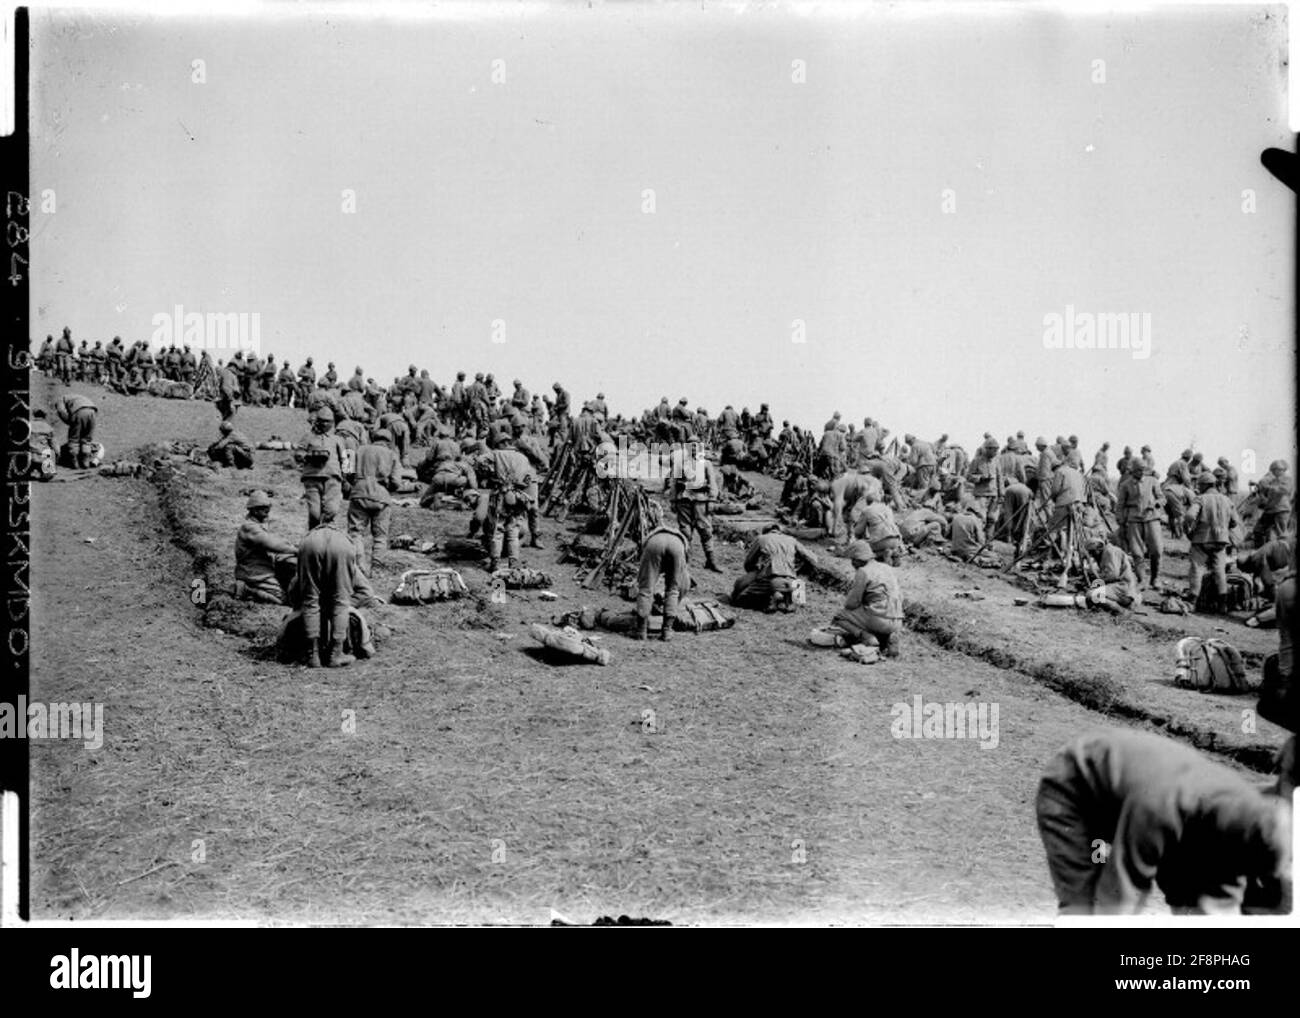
[523,578]
[423,586]
[1241,594]
[702,617]
[1211,666]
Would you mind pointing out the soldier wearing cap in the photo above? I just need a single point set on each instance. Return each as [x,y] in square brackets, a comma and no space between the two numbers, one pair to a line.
[370,505]
[1209,524]
[232,449]
[873,607]
[325,586]
[1140,502]
[1276,495]
[519,399]
[331,377]
[511,480]
[695,484]
[1229,485]
[771,556]
[322,460]
[985,476]
[264,563]
[599,407]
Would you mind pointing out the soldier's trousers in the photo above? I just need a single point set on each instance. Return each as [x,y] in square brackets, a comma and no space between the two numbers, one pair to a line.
[1268,526]
[319,493]
[1203,558]
[663,555]
[1142,539]
[508,518]
[692,518]
[368,521]
[1071,838]
[325,585]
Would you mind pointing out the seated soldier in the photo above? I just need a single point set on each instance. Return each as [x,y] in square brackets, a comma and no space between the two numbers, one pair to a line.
[967,530]
[734,484]
[1267,564]
[876,524]
[232,449]
[772,561]
[264,563]
[873,607]
[1119,583]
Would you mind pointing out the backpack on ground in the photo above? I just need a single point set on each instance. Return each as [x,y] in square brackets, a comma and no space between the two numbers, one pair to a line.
[1241,594]
[702,617]
[424,586]
[1212,666]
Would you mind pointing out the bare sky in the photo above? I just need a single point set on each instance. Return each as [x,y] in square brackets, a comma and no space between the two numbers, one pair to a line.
[774,200]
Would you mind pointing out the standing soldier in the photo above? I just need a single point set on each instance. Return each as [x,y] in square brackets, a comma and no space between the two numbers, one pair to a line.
[96,358]
[1230,484]
[320,456]
[144,360]
[63,353]
[378,472]
[45,359]
[188,365]
[306,382]
[285,385]
[519,398]
[985,476]
[227,391]
[1140,504]
[1209,524]
[560,408]
[695,484]
[172,364]
[511,481]
[1276,495]
[113,360]
[325,585]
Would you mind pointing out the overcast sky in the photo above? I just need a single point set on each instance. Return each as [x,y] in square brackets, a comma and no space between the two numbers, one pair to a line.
[936,186]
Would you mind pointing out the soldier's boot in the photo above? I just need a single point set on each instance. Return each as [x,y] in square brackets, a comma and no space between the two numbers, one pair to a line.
[338,657]
[1155,571]
[709,564]
[642,630]
[534,540]
[666,633]
[313,655]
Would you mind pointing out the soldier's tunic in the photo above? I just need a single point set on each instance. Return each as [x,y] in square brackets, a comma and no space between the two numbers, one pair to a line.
[1123,812]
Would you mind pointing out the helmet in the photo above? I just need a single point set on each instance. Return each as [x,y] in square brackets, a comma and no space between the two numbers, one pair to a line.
[258,500]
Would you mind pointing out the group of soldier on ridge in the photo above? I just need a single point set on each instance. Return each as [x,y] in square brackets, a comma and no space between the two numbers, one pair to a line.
[368,442]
